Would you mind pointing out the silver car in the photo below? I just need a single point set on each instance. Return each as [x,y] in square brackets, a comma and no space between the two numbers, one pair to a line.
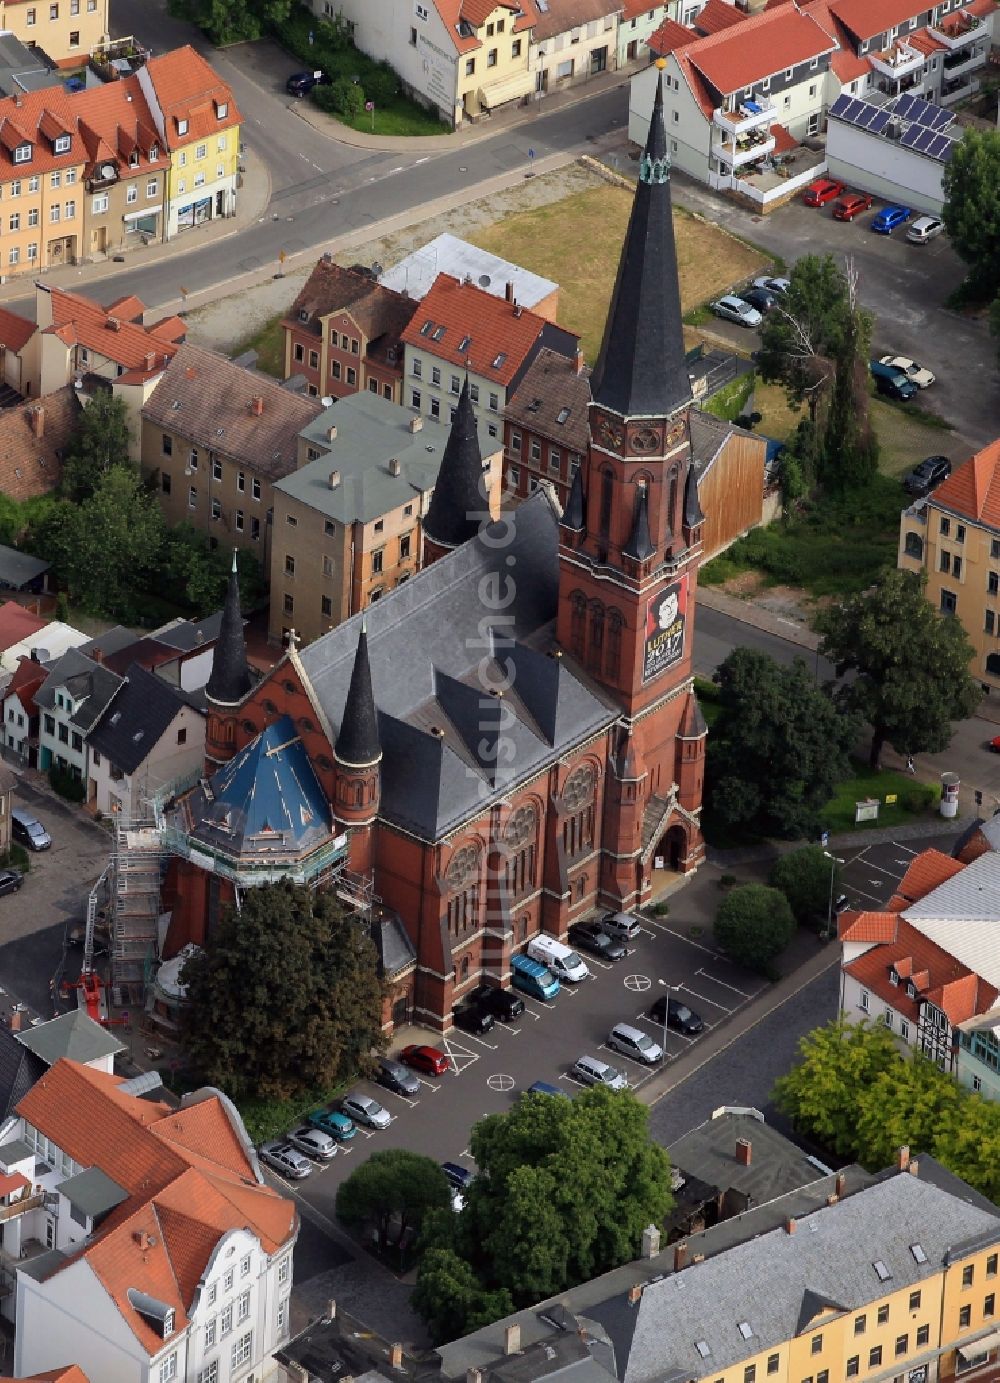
[286,1160]
[364,1110]
[734,309]
[313,1142]
[923,229]
[621,924]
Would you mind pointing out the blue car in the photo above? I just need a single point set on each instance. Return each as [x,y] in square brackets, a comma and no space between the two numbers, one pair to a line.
[889,218]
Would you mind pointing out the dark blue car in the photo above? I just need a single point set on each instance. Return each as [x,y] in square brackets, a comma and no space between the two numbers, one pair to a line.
[889,218]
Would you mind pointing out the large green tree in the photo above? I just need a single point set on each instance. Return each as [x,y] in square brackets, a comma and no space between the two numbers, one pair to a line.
[284,997]
[849,453]
[393,1192]
[808,878]
[903,667]
[802,336]
[972,209]
[200,574]
[838,1064]
[777,748]
[98,443]
[753,926]
[450,1298]
[232,21]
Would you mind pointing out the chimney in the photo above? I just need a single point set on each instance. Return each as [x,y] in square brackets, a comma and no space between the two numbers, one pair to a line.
[650,1241]
[327,257]
[790,1225]
[579,362]
[97,655]
[38,420]
[416,423]
[518,309]
[150,360]
[190,372]
[394,466]
[334,479]
[635,1294]
[839,1185]
[512,1340]
[904,1158]
[473,1376]
[914,1168]
[18,100]
[15,1022]
[509,292]
[396,1356]
[680,1256]
[744,1151]
[113,324]
[331,1310]
[257,405]
[331,433]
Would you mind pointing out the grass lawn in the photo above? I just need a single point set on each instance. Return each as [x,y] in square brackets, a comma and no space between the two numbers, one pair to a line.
[577,242]
[914,800]
[272,1118]
[269,343]
[398,117]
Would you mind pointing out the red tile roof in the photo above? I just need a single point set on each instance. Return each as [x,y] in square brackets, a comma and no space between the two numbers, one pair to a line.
[866,18]
[783,141]
[31,464]
[669,37]
[188,1182]
[495,329]
[925,872]
[937,977]
[924,43]
[847,65]
[718,15]
[15,331]
[974,489]
[77,320]
[71,1374]
[867,926]
[13,1181]
[28,677]
[17,623]
[188,88]
[763,44]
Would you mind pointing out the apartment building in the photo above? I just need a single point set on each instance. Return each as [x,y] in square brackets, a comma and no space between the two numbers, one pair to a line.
[546,432]
[198,123]
[636,23]
[70,702]
[42,161]
[348,520]
[415,273]
[343,334]
[214,439]
[67,30]
[140,1238]
[952,538]
[461,330]
[573,40]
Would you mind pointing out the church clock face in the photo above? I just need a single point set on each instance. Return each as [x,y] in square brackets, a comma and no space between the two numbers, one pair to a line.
[609,434]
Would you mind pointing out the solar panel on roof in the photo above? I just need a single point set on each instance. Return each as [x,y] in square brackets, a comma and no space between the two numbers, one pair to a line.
[942,147]
[910,136]
[840,105]
[903,105]
[880,122]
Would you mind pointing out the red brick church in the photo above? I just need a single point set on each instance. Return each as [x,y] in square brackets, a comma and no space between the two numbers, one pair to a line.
[505,743]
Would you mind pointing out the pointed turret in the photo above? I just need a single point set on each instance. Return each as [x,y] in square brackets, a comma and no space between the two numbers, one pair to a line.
[574,513]
[693,515]
[358,744]
[459,503]
[641,370]
[640,544]
[230,680]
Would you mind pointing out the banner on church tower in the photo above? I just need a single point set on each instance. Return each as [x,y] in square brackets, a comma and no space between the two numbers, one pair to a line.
[666,617]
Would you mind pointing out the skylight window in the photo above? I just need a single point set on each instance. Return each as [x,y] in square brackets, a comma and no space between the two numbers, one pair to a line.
[745,1330]
[881,1271]
[703,1348]
[438,333]
[918,1253]
[427,328]
[499,360]
[465,343]
[563,415]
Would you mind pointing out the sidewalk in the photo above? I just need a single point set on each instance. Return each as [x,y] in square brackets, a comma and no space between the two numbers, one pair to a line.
[252,202]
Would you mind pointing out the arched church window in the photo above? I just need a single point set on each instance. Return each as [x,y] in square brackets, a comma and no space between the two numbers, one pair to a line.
[613,655]
[596,632]
[672,501]
[578,623]
[607,500]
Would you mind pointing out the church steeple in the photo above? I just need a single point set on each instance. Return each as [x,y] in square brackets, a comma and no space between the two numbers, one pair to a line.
[640,546]
[230,679]
[641,370]
[459,502]
[358,744]
[574,513]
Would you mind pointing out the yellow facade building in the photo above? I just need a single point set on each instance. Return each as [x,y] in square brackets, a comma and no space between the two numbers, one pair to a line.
[953,537]
[42,160]
[67,31]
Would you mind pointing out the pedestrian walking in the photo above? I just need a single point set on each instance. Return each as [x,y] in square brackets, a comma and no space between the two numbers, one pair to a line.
[909,764]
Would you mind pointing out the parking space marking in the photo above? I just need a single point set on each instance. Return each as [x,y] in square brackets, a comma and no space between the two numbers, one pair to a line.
[491,1046]
[568,989]
[508,1028]
[604,964]
[875,882]
[862,894]
[459,1056]
[696,944]
[705,999]
[620,1056]
[409,1101]
[733,987]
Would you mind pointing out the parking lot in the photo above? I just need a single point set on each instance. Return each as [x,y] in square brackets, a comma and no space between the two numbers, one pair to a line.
[870,873]
[487,1073]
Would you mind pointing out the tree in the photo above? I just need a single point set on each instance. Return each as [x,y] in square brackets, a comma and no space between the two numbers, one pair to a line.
[971,214]
[808,878]
[99,442]
[284,997]
[904,1106]
[838,1063]
[910,665]
[778,747]
[189,565]
[232,21]
[393,1191]
[802,335]
[849,452]
[347,97]
[451,1300]
[754,924]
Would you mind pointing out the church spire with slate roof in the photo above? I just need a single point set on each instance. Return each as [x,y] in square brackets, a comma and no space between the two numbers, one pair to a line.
[230,680]
[358,756]
[358,741]
[641,370]
[459,502]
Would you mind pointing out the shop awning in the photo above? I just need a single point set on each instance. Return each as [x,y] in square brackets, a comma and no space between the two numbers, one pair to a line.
[975,1349]
[511,89]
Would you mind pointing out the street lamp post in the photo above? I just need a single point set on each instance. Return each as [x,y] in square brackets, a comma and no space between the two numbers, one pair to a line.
[834,861]
[666,1014]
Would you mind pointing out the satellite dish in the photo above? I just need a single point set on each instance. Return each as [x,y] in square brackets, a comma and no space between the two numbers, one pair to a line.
[484,280]
[327,401]
[108,170]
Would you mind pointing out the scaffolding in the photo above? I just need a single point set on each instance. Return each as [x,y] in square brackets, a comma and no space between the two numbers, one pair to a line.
[136,873]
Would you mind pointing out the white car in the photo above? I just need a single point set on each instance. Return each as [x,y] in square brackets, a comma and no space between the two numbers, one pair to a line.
[286,1160]
[364,1110]
[313,1142]
[921,377]
[734,309]
[923,229]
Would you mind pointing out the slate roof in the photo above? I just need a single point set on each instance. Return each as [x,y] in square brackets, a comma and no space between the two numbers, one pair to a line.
[189,634]
[205,398]
[380,312]
[709,1152]
[641,370]
[136,720]
[396,952]
[265,801]
[551,385]
[973,490]
[460,499]
[92,1192]
[19,1069]
[86,681]
[447,254]
[230,678]
[19,569]
[72,1035]
[357,743]
[435,724]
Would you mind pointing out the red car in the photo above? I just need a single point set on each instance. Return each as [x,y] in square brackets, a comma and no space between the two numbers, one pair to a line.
[852,205]
[431,1060]
[821,191]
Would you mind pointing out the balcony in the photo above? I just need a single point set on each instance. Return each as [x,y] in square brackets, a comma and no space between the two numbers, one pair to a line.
[21,1207]
[743,149]
[748,115]
[965,60]
[898,61]
[957,30]
[958,91]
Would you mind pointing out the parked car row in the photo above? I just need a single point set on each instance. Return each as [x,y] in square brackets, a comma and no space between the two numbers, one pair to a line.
[849,205]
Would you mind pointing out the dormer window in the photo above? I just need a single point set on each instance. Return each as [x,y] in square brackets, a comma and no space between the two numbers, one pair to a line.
[62,144]
[154,152]
[133,159]
[182,127]
[893,977]
[911,990]
[221,109]
[22,154]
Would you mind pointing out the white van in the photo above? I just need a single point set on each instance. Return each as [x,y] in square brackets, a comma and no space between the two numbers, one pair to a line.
[564,963]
